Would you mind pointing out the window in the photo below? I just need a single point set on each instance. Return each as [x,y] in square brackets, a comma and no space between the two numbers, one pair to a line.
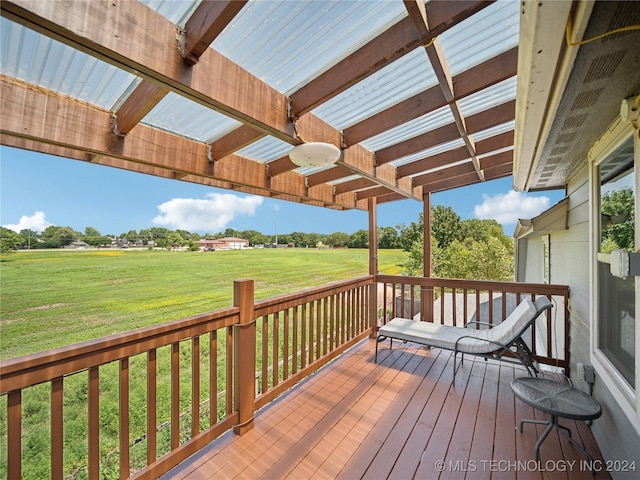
[616,296]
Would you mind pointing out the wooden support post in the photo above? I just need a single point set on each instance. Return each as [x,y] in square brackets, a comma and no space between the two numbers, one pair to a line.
[244,353]
[373,267]
[426,293]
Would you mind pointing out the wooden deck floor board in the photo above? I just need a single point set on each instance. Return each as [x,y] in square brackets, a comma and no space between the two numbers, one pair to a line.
[395,419]
[385,441]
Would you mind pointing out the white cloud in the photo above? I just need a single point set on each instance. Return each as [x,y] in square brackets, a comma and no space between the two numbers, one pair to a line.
[35,222]
[508,208]
[205,215]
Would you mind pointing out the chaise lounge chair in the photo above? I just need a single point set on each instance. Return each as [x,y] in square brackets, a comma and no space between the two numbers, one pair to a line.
[503,339]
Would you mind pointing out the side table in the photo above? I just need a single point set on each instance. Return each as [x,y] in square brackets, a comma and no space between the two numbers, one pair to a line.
[559,400]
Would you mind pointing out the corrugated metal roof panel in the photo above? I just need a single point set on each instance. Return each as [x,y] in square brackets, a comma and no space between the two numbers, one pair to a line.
[39,60]
[176,11]
[493,30]
[493,131]
[266,38]
[266,149]
[429,152]
[425,123]
[489,97]
[189,119]
[380,90]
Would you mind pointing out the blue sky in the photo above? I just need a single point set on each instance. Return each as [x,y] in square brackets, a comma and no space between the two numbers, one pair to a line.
[38,190]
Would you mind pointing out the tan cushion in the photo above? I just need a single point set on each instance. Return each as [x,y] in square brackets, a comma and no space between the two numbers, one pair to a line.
[445,336]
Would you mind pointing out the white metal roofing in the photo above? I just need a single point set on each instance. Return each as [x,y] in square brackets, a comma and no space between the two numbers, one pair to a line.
[270,39]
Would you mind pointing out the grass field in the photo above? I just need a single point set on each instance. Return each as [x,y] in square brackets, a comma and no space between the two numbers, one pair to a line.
[55,298]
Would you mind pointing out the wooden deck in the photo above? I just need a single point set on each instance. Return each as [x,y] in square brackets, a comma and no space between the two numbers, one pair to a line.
[399,419]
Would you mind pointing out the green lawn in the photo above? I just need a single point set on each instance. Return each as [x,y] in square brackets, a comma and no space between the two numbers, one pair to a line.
[55,298]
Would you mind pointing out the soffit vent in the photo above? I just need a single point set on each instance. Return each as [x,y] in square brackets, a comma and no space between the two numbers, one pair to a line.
[567,137]
[574,122]
[627,13]
[587,99]
[604,67]
[604,73]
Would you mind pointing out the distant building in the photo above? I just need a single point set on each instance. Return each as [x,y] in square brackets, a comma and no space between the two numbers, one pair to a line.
[227,243]
[78,244]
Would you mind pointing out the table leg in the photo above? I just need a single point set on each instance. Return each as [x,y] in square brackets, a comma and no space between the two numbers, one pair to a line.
[578,446]
[552,421]
[539,422]
[562,427]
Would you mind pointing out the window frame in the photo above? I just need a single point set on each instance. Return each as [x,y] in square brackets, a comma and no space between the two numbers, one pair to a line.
[627,398]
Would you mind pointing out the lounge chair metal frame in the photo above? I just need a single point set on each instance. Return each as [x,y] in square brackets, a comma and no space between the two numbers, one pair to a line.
[516,347]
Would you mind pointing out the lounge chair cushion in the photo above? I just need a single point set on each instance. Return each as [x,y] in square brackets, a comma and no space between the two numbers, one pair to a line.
[445,336]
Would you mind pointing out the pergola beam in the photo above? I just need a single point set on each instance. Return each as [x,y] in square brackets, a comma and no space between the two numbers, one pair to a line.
[381,51]
[70,127]
[473,80]
[215,82]
[204,25]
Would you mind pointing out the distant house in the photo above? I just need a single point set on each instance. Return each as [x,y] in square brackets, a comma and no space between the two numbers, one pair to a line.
[227,243]
[77,244]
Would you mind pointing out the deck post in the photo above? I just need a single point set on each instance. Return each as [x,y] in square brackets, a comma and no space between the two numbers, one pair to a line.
[244,356]
[426,292]
[373,267]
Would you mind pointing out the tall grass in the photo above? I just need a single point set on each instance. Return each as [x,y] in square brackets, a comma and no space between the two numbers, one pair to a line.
[55,298]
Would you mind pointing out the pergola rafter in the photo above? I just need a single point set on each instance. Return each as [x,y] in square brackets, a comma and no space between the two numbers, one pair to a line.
[168,58]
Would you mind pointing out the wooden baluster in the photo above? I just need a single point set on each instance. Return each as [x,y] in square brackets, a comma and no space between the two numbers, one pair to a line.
[14,434]
[285,351]
[125,468]
[151,406]
[303,337]
[94,423]
[265,353]
[275,349]
[57,429]
[195,386]
[175,395]
[294,346]
[230,362]
[213,377]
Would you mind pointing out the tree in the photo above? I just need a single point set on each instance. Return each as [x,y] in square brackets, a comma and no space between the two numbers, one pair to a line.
[483,230]
[252,236]
[414,265]
[55,237]
[618,206]
[174,239]
[29,239]
[412,233]
[9,240]
[337,239]
[388,237]
[473,260]
[445,225]
[359,239]
[91,232]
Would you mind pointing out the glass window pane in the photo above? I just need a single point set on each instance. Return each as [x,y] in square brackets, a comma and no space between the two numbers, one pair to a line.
[616,312]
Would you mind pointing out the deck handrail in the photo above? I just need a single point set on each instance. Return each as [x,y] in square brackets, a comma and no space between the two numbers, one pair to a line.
[53,369]
[549,337]
[267,347]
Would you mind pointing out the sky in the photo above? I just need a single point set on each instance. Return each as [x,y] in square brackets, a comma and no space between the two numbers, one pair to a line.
[38,190]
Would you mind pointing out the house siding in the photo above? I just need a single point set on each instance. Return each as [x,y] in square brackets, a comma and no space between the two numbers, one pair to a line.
[570,254]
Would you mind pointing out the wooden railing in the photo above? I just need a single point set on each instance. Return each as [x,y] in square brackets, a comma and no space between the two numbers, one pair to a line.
[193,379]
[178,386]
[457,302]
[299,333]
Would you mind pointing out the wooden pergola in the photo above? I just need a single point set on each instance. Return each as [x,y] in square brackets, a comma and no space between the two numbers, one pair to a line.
[182,59]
